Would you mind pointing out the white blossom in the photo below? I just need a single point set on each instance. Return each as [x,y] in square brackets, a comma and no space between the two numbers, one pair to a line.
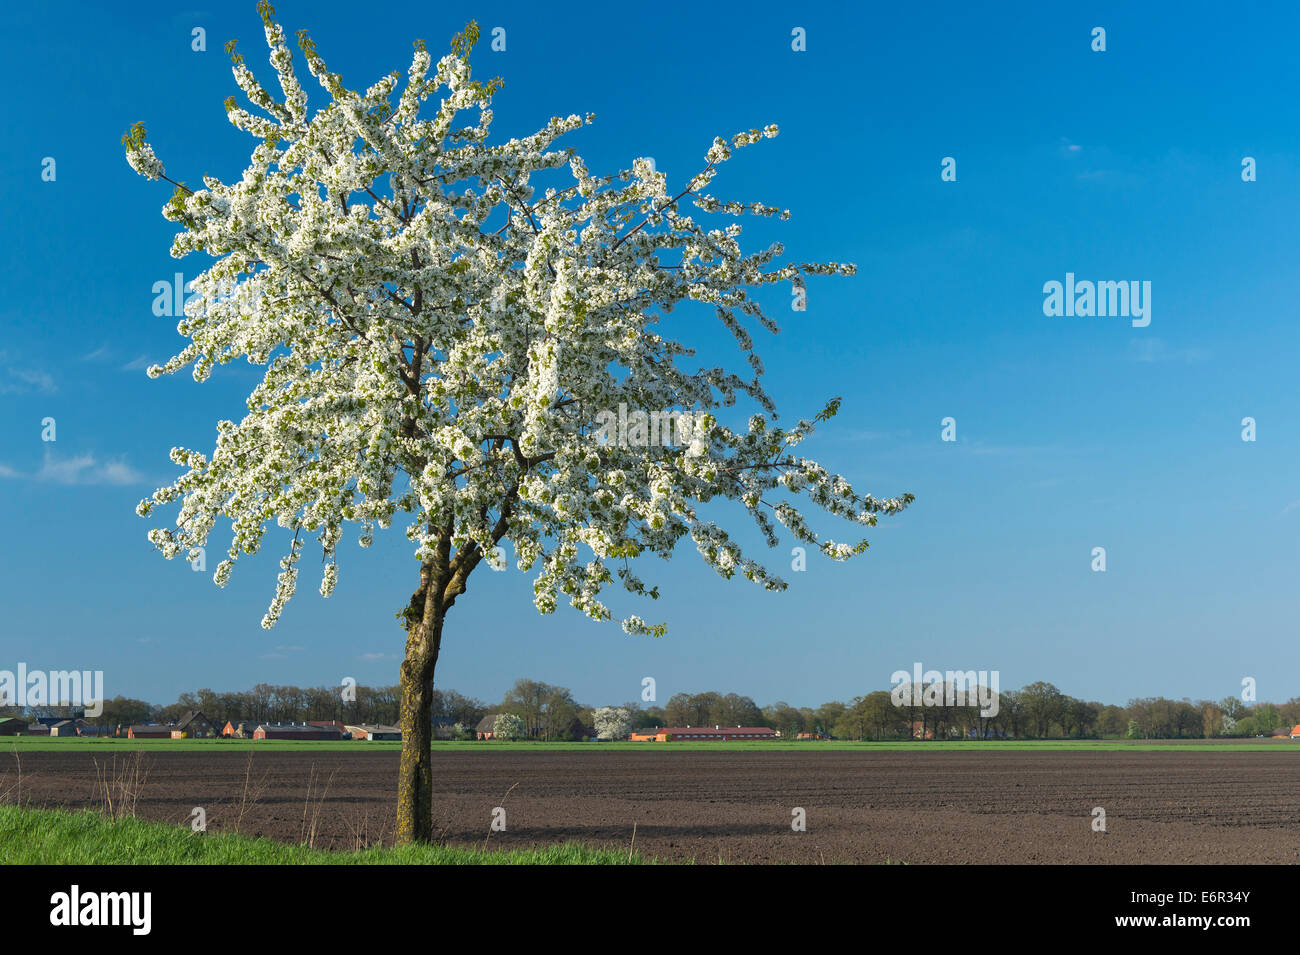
[612,722]
[144,162]
[439,333]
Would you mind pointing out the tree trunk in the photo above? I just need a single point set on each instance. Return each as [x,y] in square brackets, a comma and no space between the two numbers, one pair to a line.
[415,776]
[442,580]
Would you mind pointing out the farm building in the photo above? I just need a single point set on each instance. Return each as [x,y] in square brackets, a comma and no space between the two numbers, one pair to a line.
[12,726]
[295,731]
[486,727]
[67,728]
[373,731]
[244,729]
[149,731]
[667,734]
[194,725]
[1295,732]
[330,724]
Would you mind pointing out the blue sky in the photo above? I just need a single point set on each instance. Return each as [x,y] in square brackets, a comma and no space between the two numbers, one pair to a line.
[1073,432]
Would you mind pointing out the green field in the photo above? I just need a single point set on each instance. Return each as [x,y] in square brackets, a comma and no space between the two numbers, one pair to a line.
[59,837]
[77,744]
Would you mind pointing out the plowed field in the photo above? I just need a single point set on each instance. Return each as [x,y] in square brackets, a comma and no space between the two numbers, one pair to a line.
[712,806]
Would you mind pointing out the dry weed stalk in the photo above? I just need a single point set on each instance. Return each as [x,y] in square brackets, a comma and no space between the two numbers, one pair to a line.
[310,826]
[120,788]
[14,790]
[252,791]
[502,807]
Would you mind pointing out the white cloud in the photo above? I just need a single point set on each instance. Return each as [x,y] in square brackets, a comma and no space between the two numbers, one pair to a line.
[86,468]
[18,380]
[1147,349]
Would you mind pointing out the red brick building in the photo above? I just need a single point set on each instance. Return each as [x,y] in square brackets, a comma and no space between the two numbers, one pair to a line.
[295,731]
[667,734]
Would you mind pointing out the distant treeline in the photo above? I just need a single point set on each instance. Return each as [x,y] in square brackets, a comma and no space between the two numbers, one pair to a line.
[1037,711]
[1041,711]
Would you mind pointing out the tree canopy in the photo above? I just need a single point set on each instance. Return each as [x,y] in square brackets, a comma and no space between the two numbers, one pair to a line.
[445,343]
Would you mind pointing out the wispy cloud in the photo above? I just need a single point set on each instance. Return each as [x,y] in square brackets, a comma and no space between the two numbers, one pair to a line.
[1158,350]
[20,380]
[1036,450]
[104,354]
[86,468]
[856,434]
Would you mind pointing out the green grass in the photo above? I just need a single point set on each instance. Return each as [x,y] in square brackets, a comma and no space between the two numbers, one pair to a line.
[78,744]
[61,837]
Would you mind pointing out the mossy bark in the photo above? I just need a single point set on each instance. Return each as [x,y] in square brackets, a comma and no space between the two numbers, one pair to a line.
[415,773]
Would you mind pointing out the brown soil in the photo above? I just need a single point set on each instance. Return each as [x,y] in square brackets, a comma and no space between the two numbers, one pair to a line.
[735,806]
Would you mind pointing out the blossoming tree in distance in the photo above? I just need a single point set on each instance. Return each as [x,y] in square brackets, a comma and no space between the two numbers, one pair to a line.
[442,344]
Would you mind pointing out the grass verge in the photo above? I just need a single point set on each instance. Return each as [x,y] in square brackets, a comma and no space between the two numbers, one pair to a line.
[60,837]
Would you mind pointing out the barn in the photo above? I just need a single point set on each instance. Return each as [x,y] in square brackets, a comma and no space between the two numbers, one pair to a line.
[486,728]
[149,731]
[374,731]
[722,734]
[12,726]
[194,725]
[330,724]
[273,731]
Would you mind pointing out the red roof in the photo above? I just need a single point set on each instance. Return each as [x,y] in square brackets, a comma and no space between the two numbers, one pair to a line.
[1296,731]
